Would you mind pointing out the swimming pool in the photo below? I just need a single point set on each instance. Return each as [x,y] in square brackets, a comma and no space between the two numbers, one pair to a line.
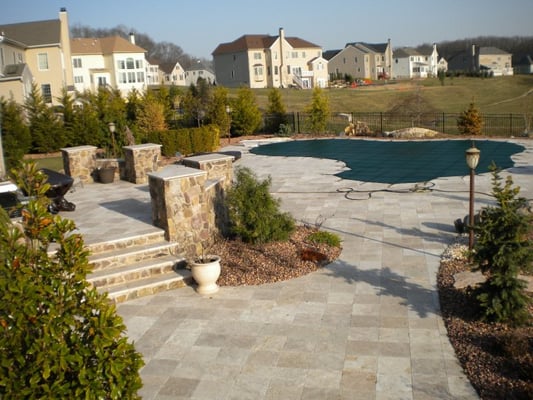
[392,162]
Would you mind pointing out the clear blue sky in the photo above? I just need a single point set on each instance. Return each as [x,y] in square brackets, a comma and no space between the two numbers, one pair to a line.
[198,27]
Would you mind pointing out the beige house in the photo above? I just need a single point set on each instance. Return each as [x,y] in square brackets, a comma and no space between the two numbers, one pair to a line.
[111,61]
[172,74]
[477,59]
[361,60]
[263,61]
[45,47]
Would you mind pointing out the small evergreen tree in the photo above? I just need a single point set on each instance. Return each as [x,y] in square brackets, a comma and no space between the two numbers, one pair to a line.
[218,113]
[503,249]
[59,338]
[253,213]
[245,114]
[470,122]
[276,110]
[16,139]
[318,111]
[46,131]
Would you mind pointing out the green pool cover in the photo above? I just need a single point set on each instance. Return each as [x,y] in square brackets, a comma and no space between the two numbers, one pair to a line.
[398,161]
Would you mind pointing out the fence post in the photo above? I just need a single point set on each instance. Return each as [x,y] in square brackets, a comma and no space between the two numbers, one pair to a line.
[510,124]
[381,122]
[443,123]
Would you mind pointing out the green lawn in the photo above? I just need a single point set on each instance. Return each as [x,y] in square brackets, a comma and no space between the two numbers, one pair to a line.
[491,96]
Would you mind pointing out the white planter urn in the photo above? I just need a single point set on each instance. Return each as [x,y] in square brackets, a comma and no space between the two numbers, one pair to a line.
[205,272]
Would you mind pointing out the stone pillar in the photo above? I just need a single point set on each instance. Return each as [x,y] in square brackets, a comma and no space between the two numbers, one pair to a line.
[80,162]
[182,205]
[218,166]
[140,160]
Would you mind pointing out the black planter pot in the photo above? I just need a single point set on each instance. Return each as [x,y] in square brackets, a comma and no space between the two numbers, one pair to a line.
[106,174]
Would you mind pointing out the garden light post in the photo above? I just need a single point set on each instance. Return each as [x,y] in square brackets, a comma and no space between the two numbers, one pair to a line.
[228,111]
[112,129]
[472,159]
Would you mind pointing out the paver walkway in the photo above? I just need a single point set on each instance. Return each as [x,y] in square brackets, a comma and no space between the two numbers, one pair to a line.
[365,327]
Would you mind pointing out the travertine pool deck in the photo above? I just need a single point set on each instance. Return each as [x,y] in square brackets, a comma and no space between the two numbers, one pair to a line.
[365,327]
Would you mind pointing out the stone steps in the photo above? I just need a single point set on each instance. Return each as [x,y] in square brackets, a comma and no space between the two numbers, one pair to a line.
[137,266]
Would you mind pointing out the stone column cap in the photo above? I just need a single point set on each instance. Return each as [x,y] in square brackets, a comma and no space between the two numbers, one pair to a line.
[142,146]
[176,171]
[78,148]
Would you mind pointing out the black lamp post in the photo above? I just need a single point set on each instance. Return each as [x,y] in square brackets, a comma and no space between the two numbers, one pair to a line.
[112,129]
[472,159]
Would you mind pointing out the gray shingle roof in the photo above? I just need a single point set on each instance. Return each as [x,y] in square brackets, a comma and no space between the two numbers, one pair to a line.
[32,34]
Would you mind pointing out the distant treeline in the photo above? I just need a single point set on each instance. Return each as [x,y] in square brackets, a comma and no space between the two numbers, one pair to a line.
[518,46]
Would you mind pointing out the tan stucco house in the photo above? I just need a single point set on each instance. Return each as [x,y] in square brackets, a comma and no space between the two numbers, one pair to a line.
[264,61]
[361,60]
[44,46]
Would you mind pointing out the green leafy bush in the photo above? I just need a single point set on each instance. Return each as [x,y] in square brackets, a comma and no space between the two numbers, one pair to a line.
[59,338]
[253,213]
[324,237]
[502,250]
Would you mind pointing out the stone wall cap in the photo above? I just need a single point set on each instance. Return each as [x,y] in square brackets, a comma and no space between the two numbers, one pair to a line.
[176,171]
[204,158]
[142,146]
[78,148]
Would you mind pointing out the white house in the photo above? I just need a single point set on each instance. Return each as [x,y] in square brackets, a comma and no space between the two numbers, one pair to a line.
[409,63]
[111,61]
[196,71]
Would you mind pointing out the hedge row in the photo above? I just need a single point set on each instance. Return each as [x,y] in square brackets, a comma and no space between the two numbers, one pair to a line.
[186,141]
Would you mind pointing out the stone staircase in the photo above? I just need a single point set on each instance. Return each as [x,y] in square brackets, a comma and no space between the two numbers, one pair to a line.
[138,266]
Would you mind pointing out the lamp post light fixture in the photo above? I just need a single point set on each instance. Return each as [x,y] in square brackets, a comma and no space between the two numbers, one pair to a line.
[228,111]
[472,159]
[112,129]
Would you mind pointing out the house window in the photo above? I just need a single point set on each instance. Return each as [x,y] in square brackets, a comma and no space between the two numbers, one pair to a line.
[344,60]
[121,64]
[294,54]
[42,60]
[257,56]
[288,69]
[46,90]
[102,81]
[76,63]
[303,54]
[140,76]
[131,77]
[122,77]
[78,79]
[355,59]
[138,64]
[129,63]
[275,55]
[258,72]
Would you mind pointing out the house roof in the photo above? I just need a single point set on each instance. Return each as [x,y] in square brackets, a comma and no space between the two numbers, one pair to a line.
[375,47]
[107,45]
[405,52]
[168,67]
[491,51]
[329,54]
[34,34]
[250,42]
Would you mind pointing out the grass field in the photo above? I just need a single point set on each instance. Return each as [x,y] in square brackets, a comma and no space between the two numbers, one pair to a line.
[491,96]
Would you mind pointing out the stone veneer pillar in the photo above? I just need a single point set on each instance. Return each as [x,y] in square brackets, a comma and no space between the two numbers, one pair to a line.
[80,162]
[182,205]
[140,160]
[217,166]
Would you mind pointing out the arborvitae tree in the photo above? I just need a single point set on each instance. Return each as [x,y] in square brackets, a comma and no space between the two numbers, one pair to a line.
[245,115]
[254,214]
[318,111]
[502,250]
[46,131]
[16,139]
[470,121]
[151,114]
[219,112]
[276,111]
[67,111]
[59,338]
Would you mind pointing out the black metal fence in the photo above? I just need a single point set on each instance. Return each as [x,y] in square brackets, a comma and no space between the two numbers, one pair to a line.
[379,123]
